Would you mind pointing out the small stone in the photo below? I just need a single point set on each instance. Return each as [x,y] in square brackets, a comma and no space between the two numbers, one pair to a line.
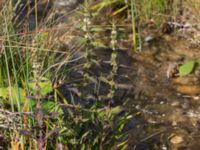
[177,139]
[196,97]
[174,123]
[164,147]
[185,105]
[137,107]
[188,89]
[175,103]
[161,102]
[149,38]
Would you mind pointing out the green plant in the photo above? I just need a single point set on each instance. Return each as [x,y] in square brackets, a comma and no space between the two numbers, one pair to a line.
[91,128]
[188,67]
[16,69]
[138,13]
[26,72]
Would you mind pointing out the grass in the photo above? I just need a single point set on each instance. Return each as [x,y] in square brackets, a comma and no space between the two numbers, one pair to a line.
[26,80]
[33,64]
[138,12]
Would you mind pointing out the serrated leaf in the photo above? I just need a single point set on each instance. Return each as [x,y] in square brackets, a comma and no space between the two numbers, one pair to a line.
[186,68]
[116,110]
[98,44]
[97,29]
[17,94]
[82,41]
[110,112]
[47,106]
[45,85]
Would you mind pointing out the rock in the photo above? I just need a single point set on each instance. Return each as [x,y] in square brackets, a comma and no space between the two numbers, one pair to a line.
[188,89]
[189,80]
[177,139]
[189,85]
[171,70]
[67,4]
[149,39]
[25,11]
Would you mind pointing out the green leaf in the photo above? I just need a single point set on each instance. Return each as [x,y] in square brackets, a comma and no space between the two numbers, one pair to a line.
[198,61]
[42,36]
[116,110]
[102,113]
[47,106]
[45,85]
[187,68]
[17,94]
[4,93]
[97,29]
[82,41]
[105,3]
[97,44]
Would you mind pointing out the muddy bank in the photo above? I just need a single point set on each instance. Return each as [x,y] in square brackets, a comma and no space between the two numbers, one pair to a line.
[167,102]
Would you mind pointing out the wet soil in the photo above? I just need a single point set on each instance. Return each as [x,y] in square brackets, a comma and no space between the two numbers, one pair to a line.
[169,105]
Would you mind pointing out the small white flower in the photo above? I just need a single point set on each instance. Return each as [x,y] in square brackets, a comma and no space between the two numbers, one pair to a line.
[113,42]
[87,36]
[114,32]
[89,22]
[84,28]
[85,20]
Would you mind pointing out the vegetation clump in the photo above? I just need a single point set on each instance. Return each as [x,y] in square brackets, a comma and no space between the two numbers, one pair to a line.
[65,78]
